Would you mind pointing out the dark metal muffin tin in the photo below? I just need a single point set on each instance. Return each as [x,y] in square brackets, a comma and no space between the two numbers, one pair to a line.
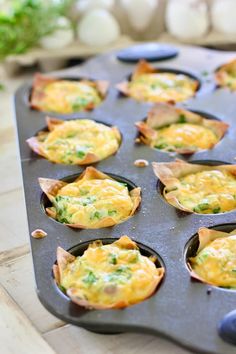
[181,310]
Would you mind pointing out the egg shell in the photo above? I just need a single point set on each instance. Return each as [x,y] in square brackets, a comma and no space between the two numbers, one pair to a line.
[93,28]
[187,19]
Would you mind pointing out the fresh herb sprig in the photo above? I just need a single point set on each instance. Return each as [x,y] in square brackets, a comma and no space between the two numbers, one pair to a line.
[27,21]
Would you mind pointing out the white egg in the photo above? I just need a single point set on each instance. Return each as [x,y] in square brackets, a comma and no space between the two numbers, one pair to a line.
[223,15]
[187,19]
[86,5]
[61,37]
[98,28]
[140,12]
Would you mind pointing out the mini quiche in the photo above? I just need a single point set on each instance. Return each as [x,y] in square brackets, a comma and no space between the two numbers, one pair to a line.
[169,128]
[215,260]
[77,141]
[66,96]
[147,84]
[226,75]
[200,189]
[93,200]
[110,276]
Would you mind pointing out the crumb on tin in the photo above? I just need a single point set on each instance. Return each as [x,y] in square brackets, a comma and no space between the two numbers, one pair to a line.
[141,163]
[38,233]
[209,290]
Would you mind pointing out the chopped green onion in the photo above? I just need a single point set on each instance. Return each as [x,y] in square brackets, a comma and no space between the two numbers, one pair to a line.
[182,119]
[90,278]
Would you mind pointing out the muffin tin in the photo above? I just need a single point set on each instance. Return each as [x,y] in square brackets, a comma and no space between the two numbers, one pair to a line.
[182,310]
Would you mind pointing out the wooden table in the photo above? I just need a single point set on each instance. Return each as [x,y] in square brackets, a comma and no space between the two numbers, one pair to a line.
[25,326]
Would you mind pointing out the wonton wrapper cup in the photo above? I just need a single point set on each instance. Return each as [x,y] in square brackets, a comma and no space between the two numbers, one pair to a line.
[169,174]
[221,75]
[143,67]
[40,82]
[206,236]
[163,114]
[51,186]
[64,258]
[35,144]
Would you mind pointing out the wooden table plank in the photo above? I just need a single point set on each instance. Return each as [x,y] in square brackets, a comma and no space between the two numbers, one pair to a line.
[17,335]
[9,157]
[16,275]
[13,223]
[73,340]
[15,252]
[10,166]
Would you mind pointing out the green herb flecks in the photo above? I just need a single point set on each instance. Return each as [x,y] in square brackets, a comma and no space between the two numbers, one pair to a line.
[216,210]
[79,103]
[123,184]
[161,146]
[202,257]
[62,288]
[120,275]
[96,215]
[80,154]
[83,192]
[112,212]
[182,118]
[71,135]
[81,151]
[87,200]
[201,207]
[26,22]
[90,278]
[113,258]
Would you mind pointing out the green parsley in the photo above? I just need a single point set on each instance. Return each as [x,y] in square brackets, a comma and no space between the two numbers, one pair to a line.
[112,212]
[216,210]
[182,119]
[90,278]
[161,146]
[112,258]
[80,154]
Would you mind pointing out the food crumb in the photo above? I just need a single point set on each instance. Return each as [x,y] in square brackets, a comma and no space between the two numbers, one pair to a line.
[38,233]
[209,290]
[172,154]
[141,163]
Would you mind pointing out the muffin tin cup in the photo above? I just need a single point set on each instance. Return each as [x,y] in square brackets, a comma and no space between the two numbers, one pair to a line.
[203,86]
[180,310]
[192,245]
[28,93]
[160,189]
[78,250]
[45,202]
[45,129]
[203,114]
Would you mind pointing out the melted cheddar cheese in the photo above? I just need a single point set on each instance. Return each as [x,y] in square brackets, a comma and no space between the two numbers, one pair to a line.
[70,142]
[216,263]
[184,135]
[207,192]
[88,201]
[106,275]
[162,87]
[64,96]
[226,75]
